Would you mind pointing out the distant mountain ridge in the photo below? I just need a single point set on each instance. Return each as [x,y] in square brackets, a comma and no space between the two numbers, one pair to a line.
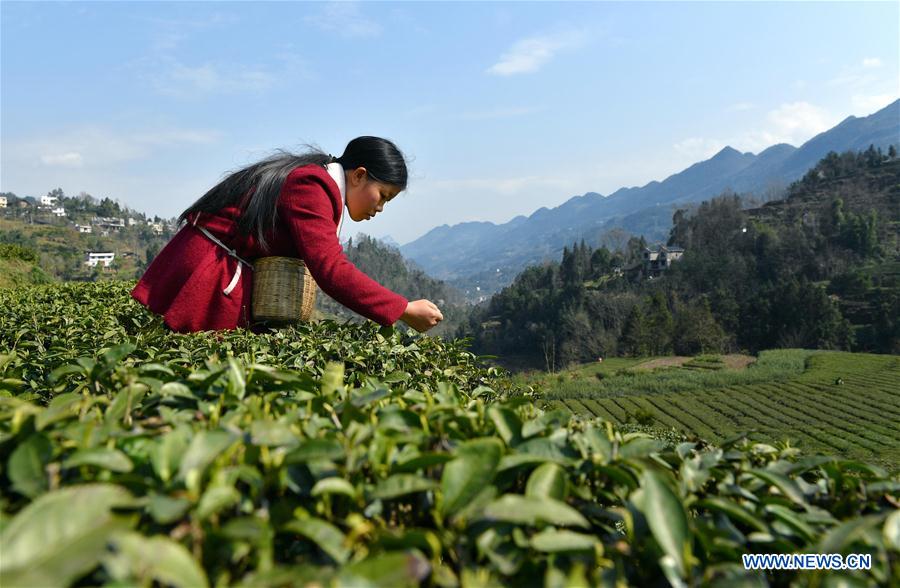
[486,255]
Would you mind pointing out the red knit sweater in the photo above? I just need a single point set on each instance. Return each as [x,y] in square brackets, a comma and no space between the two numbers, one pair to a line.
[186,280]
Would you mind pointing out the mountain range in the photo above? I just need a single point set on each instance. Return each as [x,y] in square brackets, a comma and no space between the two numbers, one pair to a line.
[480,258]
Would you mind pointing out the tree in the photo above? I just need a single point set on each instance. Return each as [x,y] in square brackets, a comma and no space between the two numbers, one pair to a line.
[696,330]
[659,325]
[633,340]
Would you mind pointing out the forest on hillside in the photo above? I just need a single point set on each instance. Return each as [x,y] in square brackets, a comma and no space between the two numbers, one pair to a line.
[818,269]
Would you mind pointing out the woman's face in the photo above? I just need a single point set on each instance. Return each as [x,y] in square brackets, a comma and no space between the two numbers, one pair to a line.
[365,196]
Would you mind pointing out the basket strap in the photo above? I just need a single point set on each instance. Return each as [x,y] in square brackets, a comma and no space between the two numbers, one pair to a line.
[237,273]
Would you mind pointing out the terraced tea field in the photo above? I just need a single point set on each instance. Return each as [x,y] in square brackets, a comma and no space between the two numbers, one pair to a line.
[839,403]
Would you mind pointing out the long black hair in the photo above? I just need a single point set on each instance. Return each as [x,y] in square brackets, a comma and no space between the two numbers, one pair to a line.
[255,188]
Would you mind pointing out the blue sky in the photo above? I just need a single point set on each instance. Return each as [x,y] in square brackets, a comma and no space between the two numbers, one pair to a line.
[502,107]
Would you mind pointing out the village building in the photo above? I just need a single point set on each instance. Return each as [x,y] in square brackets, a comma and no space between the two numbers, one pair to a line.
[84,228]
[94,258]
[659,258]
[109,224]
[48,201]
[59,211]
[132,221]
[2,201]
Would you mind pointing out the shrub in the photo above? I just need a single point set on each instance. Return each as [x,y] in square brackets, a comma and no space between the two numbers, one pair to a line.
[257,460]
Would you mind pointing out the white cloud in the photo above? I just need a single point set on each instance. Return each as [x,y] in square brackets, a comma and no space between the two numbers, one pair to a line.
[529,55]
[852,79]
[793,123]
[169,33]
[868,103]
[346,19]
[70,159]
[184,81]
[871,62]
[799,119]
[93,146]
[699,148]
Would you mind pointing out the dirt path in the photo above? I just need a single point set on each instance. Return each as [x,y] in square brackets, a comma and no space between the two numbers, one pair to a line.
[734,361]
[675,360]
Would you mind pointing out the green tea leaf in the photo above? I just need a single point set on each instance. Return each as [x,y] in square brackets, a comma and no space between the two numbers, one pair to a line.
[667,518]
[556,541]
[61,535]
[167,452]
[396,570]
[526,510]
[892,531]
[165,509]
[334,486]
[329,538]
[25,467]
[640,447]
[787,486]
[733,511]
[204,448]
[402,484]
[237,385]
[332,379]
[61,407]
[215,499]
[508,424]
[841,538]
[314,450]
[158,558]
[421,461]
[109,459]
[469,472]
[547,481]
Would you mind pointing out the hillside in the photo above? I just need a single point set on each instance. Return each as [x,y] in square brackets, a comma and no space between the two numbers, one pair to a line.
[832,402]
[19,267]
[468,255]
[818,269]
[62,230]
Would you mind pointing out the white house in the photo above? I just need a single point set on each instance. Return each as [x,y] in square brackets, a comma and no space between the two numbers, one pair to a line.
[132,221]
[157,228]
[94,258]
[659,258]
[84,228]
[48,200]
[59,211]
[2,201]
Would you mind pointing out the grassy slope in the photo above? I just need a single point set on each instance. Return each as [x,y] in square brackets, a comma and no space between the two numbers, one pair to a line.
[16,272]
[774,401]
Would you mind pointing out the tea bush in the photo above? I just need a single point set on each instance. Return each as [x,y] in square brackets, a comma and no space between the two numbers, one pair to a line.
[346,455]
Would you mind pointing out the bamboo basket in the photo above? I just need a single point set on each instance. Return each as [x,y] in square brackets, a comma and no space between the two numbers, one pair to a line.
[284,291]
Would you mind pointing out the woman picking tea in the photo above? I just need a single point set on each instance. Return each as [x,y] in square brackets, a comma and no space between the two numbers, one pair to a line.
[286,205]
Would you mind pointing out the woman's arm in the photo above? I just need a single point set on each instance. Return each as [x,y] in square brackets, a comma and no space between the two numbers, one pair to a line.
[310,207]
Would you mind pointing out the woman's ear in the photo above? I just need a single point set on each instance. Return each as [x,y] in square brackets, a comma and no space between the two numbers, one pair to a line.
[358,175]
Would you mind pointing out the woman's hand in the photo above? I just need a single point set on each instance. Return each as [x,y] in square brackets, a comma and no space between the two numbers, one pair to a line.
[422,315]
